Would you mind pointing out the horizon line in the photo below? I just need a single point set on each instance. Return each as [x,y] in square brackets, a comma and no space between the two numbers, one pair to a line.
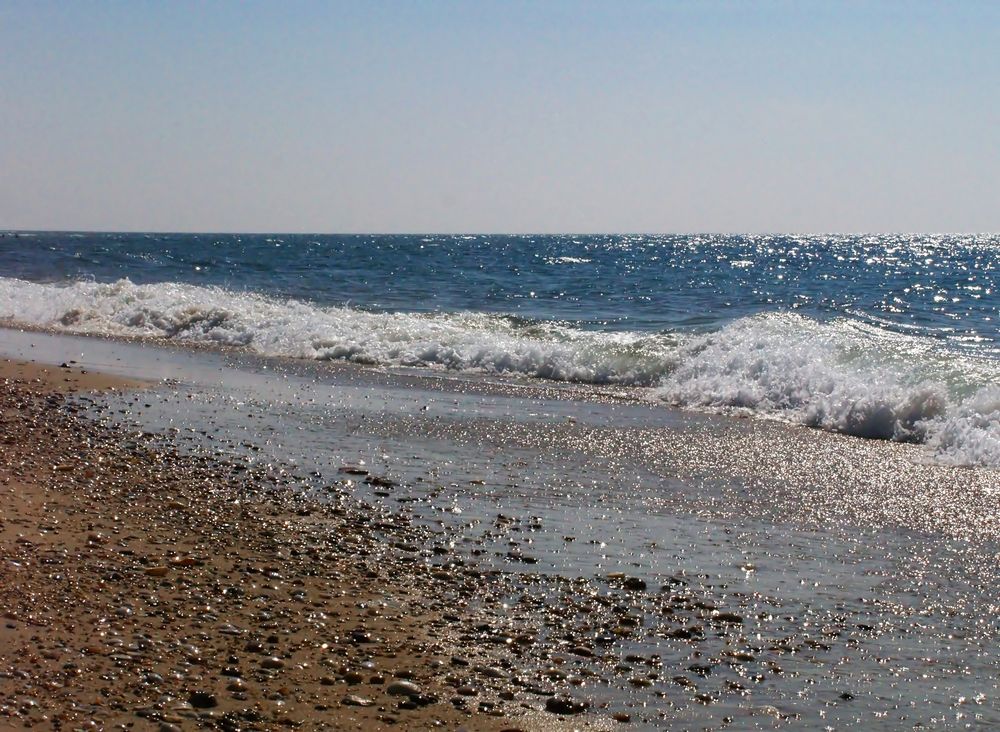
[193,232]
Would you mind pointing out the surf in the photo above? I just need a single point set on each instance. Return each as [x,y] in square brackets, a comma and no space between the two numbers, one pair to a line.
[841,375]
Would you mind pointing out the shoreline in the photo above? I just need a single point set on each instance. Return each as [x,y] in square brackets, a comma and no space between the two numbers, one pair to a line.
[947,447]
[142,584]
[483,382]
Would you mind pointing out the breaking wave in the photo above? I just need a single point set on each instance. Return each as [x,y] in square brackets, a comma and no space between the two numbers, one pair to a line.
[840,375]
[845,376]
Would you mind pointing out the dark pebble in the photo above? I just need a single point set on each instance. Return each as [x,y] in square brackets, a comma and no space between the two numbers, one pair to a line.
[565,705]
[203,700]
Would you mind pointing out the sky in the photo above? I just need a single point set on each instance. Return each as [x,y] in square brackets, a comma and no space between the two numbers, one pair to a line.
[551,116]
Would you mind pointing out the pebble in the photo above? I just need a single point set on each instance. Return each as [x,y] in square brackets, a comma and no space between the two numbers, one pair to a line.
[203,700]
[403,688]
[635,583]
[353,700]
[490,672]
[727,618]
[565,705]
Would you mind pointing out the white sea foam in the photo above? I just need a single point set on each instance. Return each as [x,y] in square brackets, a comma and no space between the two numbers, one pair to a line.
[491,343]
[846,377]
[837,375]
[969,434]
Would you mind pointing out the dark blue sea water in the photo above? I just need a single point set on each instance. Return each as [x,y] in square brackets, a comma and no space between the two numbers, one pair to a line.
[892,337]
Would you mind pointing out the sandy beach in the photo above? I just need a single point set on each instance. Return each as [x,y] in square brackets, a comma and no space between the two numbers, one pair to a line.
[144,589]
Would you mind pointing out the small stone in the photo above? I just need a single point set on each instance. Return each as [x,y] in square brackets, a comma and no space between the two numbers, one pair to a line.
[272,662]
[353,470]
[353,700]
[203,700]
[403,688]
[635,583]
[157,571]
[732,618]
[565,705]
[490,672]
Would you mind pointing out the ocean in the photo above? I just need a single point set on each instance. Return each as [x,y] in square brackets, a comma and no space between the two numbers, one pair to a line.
[891,337]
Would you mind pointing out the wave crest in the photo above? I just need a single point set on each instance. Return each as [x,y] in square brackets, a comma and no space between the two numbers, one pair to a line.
[493,343]
[844,376]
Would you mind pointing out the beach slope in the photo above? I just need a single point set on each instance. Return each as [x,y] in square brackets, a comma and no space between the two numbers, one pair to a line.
[146,588]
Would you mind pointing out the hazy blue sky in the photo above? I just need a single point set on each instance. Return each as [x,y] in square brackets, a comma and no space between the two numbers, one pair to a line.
[506,116]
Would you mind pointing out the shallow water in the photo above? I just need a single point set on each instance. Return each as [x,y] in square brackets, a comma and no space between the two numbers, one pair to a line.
[864,576]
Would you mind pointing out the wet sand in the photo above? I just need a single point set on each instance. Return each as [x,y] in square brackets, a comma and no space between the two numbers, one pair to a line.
[148,589]
[62,379]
